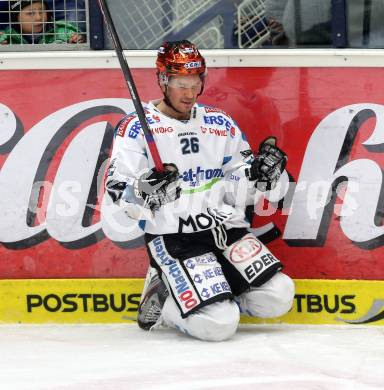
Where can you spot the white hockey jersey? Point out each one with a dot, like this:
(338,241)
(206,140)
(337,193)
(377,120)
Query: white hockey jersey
(207,152)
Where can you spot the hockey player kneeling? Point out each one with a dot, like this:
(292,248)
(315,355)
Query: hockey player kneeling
(205,267)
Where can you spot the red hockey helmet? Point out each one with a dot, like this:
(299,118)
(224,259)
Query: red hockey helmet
(179,58)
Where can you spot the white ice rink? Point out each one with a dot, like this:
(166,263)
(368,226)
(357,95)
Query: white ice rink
(114,357)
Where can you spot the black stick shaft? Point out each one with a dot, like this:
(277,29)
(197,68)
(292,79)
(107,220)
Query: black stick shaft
(131,85)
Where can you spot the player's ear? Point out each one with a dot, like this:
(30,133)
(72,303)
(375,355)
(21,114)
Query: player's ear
(162,80)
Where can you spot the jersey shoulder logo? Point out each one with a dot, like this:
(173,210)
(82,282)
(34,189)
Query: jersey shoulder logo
(131,125)
(123,124)
(209,109)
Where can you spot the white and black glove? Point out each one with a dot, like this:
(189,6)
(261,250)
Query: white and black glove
(266,168)
(158,188)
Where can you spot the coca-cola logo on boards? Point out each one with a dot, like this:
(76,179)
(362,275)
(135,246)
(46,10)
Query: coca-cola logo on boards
(73,193)
(75,187)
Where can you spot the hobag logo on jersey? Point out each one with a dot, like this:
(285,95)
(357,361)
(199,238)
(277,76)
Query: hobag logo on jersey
(161,130)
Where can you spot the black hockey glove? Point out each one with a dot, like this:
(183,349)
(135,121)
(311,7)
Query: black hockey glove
(267,166)
(158,188)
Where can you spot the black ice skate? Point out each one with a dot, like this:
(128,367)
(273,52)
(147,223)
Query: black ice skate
(152,300)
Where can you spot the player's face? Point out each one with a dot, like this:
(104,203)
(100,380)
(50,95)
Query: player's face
(183,91)
(32,18)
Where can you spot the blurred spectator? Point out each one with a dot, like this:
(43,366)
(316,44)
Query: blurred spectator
(274,12)
(365,23)
(299,22)
(32,22)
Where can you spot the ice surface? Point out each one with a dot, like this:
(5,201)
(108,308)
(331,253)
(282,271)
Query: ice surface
(115,357)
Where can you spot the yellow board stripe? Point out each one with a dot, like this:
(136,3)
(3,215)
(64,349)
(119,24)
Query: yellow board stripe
(39,301)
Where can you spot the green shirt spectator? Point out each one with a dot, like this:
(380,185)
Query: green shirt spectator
(31,22)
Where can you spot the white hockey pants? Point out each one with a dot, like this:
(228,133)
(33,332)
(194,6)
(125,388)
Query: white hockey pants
(218,321)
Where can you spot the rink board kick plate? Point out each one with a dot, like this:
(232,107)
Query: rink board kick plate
(60,301)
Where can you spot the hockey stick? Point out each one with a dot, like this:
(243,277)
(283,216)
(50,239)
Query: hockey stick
(131,85)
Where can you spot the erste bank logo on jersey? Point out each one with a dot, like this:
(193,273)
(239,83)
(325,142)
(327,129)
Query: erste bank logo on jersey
(135,127)
(219,120)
